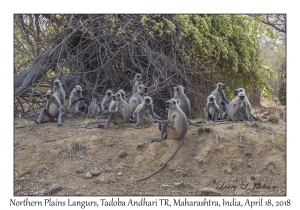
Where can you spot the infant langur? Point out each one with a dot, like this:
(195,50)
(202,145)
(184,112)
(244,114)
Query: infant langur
(212,109)
(52,110)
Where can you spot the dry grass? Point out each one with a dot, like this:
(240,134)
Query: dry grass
(274,118)
(76,147)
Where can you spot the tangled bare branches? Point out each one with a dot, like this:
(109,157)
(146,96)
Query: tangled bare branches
(99,54)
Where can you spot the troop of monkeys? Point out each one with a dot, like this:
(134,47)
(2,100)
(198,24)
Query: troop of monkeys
(118,111)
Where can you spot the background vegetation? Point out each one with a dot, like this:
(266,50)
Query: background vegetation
(106,51)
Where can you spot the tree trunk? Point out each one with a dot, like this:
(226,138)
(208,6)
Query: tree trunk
(41,65)
(256,96)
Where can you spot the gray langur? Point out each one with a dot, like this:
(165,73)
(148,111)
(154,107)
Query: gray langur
(120,115)
(52,109)
(112,105)
(93,108)
(212,109)
(220,97)
(76,100)
(183,102)
(105,103)
(122,92)
(144,109)
(136,82)
(59,91)
(236,110)
(247,103)
(175,127)
(137,98)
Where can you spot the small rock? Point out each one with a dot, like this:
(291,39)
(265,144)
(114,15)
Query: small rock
(110,178)
(54,188)
(101,179)
(120,173)
(107,169)
(111,144)
(252,177)
(106,178)
(140,146)
(36,193)
(43,191)
(178,184)
(210,190)
(122,154)
(199,159)
(95,172)
(78,193)
(249,165)
(88,175)
(221,147)
(230,127)
(248,123)
(79,170)
(227,170)
(22,178)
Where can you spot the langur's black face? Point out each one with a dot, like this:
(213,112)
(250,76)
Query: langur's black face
(48,96)
(56,83)
(167,105)
(146,90)
(235,92)
(138,76)
(224,87)
(147,101)
(114,98)
(123,96)
(108,94)
(78,91)
(242,98)
(211,99)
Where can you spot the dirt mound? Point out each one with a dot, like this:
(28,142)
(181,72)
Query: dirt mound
(233,159)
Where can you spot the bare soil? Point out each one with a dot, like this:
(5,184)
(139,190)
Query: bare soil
(233,159)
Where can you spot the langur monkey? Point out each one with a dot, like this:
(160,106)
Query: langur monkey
(220,97)
(236,110)
(93,108)
(137,98)
(183,102)
(105,103)
(120,115)
(76,100)
(175,126)
(52,110)
(212,109)
(59,91)
(112,105)
(247,103)
(144,109)
(136,82)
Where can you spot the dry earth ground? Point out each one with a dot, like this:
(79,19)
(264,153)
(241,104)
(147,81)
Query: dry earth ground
(232,159)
